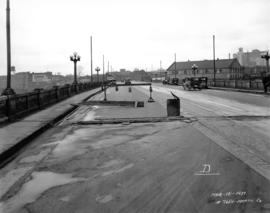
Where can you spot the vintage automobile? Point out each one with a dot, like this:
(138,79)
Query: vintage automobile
(172,81)
(195,83)
(204,81)
(127,81)
(165,81)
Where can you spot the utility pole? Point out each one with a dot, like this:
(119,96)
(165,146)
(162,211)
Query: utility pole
(91,52)
(214,60)
(8,90)
(174,65)
(103,69)
(160,70)
(103,83)
(108,71)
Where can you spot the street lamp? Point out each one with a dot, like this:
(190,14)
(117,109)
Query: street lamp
(75,58)
(8,90)
(194,68)
(97,70)
(266,57)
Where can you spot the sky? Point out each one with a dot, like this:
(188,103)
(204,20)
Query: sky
(129,33)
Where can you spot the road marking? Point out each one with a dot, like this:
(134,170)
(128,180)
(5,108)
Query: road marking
(206,170)
(240,152)
(207,174)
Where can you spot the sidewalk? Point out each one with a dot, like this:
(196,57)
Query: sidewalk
(15,135)
(240,90)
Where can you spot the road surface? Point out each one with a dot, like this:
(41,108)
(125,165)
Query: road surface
(215,159)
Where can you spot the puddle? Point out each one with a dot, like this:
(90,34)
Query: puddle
(30,191)
(111,163)
(78,142)
(112,141)
(73,144)
(115,171)
(65,199)
(35,158)
(104,199)
(11,178)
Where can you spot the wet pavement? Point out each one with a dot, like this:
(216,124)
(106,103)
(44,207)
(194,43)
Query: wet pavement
(173,166)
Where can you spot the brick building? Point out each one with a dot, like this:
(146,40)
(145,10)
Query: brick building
(225,69)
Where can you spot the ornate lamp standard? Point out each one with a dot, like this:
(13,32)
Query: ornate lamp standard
(97,70)
(8,90)
(194,68)
(75,58)
(266,57)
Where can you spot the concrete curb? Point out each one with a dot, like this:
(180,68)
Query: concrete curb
(136,120)
(13,151)
(238,90)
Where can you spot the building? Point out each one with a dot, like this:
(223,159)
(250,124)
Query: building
(42,77)
(137,75)
(225,69)
(158,75)
(250,59)
(21,82)
(256,72)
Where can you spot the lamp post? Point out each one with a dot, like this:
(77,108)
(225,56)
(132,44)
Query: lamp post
(214,59)
(266,57)
(91,58)
(75,58)
(97,70)
(194,68)
(8,90)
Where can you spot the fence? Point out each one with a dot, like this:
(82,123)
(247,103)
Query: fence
(239,84)
(17,105)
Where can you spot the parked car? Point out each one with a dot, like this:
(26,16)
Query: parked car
(165,81)
(204,82)
(175,81)
(127,81)
(192,83)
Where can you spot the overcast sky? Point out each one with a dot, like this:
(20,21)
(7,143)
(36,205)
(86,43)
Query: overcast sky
(130,33)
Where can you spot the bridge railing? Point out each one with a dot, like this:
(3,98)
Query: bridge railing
(21,104)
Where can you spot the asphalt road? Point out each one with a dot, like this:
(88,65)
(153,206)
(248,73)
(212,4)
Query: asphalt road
(245,98)
(216,160)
